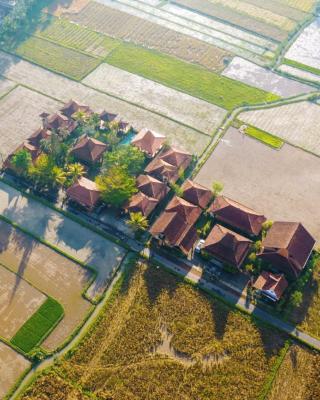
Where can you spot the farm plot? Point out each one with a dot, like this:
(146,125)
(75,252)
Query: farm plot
(158,98)
(282,8)
(63,89)
(12,366)
(253,75)
(306,50)
(75,36)
(299,73)
(163,339)
(19,300)
(51,273)
(57,58)
(298,376)
(147,34)
(283,184)
(304,5)
(19,116)
(296,123)
(5,86)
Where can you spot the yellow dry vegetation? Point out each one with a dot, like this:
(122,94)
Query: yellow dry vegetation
(298,376)
(304,5)
(258,13)
(120,358)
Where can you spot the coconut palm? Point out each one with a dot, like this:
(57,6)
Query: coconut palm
(138,222)
(81,117)
(75,171)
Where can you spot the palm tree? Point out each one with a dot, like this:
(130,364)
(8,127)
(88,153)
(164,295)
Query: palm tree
(138,222)
(59,176)
(75,171)
(81,117)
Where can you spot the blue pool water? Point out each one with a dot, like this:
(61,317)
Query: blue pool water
(127,139)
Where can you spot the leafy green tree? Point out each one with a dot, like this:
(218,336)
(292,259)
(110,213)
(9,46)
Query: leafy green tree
(21,161)
(138,222)
(296,298)
(217,188)
(129,158)
(116,186)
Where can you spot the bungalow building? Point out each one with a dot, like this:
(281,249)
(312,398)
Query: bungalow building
(287,247)
(124,127)
(236,215)
(178,158)
(226,246)
(148,142)
(141,203)
(88,150)
(37,136)
(152,187)
(58,123)
(72,107)
(84,192)
(196,194)
(30,148)
(271,285)
(175,226)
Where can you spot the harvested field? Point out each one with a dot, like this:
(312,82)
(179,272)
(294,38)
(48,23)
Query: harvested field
(298,376)
(147,34)
(12,366)
(63,89)
(213,351)
(296,123)
(253,75)
(299,73)
(75,36)
(51,273)
(196,81)
(19,300)
(304,5)
(234,18)
(280,8)
(53,57)
(19,116)
(5,86)
(283,184)
(158,98)
(306,49)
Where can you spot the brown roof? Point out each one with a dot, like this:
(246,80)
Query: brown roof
(88,149)
(39,135)
(107,117)
(237,215)
(57,121)
(274,284)
(287,246)
(196,194)
(148,141)
(189,212)
(162,170)
(178,158)
(227,246)
(72,107)
(141,203)
(152,187)
(124,126)
(84,192)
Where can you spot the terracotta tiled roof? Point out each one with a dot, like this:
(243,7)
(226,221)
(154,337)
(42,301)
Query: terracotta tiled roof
(141,203)
(57,122)
(124,126)
(271,283)
(88,149)
(39,135)
(148,141)
(107,117)
(178,158)
(287,246)
(196,194)
(189,212)
(237,215)
(84,192)
(72,107)
(162,170)
(227,246)
(152,187)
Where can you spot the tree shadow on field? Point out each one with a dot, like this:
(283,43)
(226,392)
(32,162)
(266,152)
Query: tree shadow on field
(272,339)
(220,314)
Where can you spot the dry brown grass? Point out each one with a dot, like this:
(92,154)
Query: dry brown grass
(117,359)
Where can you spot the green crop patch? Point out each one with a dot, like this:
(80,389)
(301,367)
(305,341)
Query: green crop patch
(78,37)
(38,327)
(56,58)
(302,66)
(264,137)
(188,78)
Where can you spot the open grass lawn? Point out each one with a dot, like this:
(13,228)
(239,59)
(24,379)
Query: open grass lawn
(57,58)
(264,137)
(188,78)
(160,338)
(38,327)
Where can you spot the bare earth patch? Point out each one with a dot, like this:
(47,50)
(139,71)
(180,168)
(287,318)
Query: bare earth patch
(12,366)
(64,89)
(296,123)
(283,184)
(19,300)
(19,116)
(176,105)
(67,7)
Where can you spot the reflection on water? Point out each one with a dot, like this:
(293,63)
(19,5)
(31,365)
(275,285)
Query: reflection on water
(205,362)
